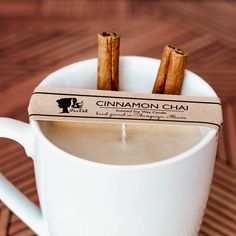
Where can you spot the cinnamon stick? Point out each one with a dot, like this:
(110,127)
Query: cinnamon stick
(163,69)
(171,71)
(108,61)
(175,75)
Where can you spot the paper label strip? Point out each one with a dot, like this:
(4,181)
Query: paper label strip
(72,104)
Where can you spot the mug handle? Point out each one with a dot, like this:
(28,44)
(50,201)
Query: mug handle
(22,133)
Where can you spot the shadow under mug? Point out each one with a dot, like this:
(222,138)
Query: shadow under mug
(84,198)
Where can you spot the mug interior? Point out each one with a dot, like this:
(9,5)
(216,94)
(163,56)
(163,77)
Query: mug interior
(136,74)
(132,74)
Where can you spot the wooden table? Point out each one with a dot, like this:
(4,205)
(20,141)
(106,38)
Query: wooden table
(38,37)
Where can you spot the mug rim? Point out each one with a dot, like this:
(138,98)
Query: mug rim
(211,133)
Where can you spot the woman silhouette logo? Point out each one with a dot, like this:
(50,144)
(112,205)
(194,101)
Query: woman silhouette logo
(65,103)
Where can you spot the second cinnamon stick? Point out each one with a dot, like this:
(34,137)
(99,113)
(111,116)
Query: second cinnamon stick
(163,69)
(175,75)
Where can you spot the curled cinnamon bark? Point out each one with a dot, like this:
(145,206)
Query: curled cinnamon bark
(171,71)
(108,61)
(175,73)
(163,69)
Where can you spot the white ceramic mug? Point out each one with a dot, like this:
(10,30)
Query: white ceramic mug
(84,198)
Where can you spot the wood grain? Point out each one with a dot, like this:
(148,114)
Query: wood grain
(40,36)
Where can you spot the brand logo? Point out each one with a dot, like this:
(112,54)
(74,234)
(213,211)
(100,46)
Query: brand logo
(70,105)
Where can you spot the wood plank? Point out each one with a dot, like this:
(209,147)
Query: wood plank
(4,221)
(60,32)
(19,8)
